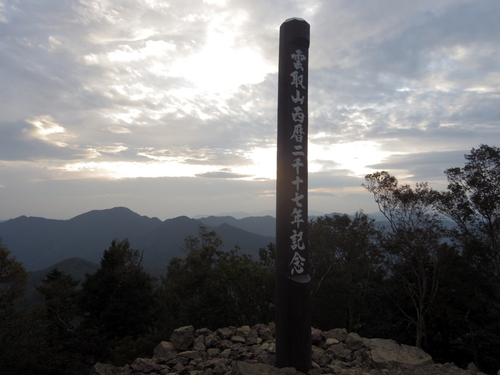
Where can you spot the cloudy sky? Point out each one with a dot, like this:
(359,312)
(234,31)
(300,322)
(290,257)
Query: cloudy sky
(169,107)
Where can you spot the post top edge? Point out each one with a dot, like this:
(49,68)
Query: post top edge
(294,19)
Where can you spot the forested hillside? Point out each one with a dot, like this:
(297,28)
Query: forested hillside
(415,281)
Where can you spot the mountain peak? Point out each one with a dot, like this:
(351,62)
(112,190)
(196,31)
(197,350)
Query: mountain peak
(107,212)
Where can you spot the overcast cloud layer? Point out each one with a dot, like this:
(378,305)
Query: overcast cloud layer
(169,107)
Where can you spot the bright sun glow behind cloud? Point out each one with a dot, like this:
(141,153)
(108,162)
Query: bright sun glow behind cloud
(208,70)
(223,64)
(353,156)
(117,170)
(220,67)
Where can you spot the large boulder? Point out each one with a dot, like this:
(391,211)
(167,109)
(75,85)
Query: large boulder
(388,354)
(182,338)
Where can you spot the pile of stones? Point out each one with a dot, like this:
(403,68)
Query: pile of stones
(252,351)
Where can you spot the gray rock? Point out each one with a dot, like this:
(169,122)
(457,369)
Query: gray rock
(145,366)
(272,348)
(471,367)
(238,339)
(289,371)
(198,339)
(212,341)
(200,347)
(200,366)
(243,331)
(125,370)
(336,353)
(225,344)
(164,349)
(183,337)
(226,332)
(337,333)
(343,355)
(330,342)
(353,341)
(316,336)
(102,369)
(178,367)
(182,360)
(320,357)
(266,359)
(190,354)
(213,352)
(388,354)
(243,368)
(266,334)
(202,332)
(252,340)
(221,369)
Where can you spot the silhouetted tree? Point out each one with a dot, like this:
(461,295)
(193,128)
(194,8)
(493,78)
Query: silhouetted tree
(118,299)
(21,332)
(59,293)
(212,288)
(62,319)
(13,279)
(472,201)
(415,246)
(346,271)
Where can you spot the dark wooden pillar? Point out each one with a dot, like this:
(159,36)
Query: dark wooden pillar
(293,312)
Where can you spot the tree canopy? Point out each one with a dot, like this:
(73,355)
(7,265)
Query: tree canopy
(118,298)
(415,247)
(13,279)
(212,288)
(473,201)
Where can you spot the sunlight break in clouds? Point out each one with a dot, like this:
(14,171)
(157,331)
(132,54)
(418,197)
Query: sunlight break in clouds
(207,71)
(223,65)
(47,130)
(352,156)
(220,67)
(261,166)
(119,170)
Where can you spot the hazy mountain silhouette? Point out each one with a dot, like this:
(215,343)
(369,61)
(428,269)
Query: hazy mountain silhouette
(265,226)
(242,215)
(40,243)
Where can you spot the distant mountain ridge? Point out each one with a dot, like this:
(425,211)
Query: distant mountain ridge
(265,226)
(40,243)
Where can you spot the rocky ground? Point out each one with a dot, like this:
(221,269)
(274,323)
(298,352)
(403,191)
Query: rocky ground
(252,351)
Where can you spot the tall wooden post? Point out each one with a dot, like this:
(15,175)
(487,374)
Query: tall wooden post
(293,312)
